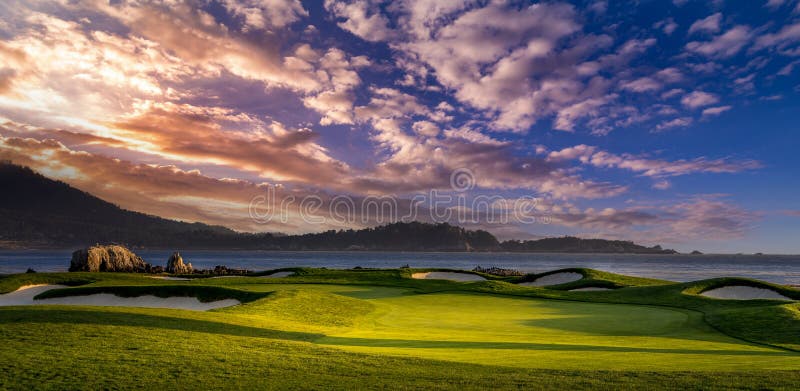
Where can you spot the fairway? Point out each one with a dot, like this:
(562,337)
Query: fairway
(376,328)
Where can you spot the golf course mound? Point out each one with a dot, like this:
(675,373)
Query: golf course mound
(279,274)
(32,295)
(556,278)
(452,276)
(171,278)
(590,289)
(743,292)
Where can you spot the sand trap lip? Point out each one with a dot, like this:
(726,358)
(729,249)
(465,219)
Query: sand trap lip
(24,296)
(590,289)
(447,276)
(278,275)
(172,278)
(554,279)
(743,292)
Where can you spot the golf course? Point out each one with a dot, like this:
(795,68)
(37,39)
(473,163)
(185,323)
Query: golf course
(304,328)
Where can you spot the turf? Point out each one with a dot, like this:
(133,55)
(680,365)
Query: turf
(382,329)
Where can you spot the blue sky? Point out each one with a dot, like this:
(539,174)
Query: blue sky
(671,122)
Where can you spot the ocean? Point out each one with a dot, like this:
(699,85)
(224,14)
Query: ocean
(781,269)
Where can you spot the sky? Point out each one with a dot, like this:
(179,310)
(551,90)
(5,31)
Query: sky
(663,122)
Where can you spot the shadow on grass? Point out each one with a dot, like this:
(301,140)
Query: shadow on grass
(106,318)
(422,344)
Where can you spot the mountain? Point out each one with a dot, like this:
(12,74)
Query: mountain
(38,212)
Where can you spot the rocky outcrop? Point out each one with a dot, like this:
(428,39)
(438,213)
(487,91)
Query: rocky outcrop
(110,258)
(175,265)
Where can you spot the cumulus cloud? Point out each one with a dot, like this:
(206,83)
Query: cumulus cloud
(263,14)
(707,25)
(787,35)
(681,122)
(711,111)
(643,84)
(362,18)
(668,26)
(724,45)
(697,99)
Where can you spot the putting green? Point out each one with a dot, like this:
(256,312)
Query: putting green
(521,332)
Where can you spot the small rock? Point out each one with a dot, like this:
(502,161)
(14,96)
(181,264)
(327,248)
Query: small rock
(175,265)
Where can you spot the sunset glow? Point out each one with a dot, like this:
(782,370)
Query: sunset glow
(660,122)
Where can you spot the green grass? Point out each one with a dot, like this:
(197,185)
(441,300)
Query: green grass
(360,329)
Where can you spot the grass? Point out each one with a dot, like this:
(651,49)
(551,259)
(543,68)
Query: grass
(355,329)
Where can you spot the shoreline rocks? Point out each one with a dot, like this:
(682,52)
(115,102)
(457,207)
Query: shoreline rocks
(109,258)
(175,265)
(117,258)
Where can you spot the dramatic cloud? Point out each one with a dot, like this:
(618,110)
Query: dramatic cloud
(132,100)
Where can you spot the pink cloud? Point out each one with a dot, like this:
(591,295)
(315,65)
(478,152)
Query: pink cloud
(651,167)
(697,99)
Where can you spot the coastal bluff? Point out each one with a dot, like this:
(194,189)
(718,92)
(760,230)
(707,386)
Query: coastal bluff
(107,258)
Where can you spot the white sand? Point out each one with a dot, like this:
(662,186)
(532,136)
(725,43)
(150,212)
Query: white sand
(172,278)
(447,276)
(25,295)
(590,289)
(278,275)
(743,292)
(554,279)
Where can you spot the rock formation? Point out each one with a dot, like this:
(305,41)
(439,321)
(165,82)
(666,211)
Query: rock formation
(175,265)
(110,258)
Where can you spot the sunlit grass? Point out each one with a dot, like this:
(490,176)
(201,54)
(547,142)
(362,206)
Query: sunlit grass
(381,329)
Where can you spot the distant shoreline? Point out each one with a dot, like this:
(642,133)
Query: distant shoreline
(70,249)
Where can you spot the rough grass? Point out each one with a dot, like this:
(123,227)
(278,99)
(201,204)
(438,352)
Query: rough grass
(87,354)
(360,329)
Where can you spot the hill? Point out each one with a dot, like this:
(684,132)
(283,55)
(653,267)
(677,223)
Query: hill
(38,212)
(571,244)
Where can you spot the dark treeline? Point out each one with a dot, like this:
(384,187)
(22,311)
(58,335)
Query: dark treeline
(37,212)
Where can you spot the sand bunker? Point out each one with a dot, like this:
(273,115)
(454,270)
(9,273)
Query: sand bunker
(278,275)
(590,289)
(447,276)
(554,279)
(25,295)
(172,278)
(743,292)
